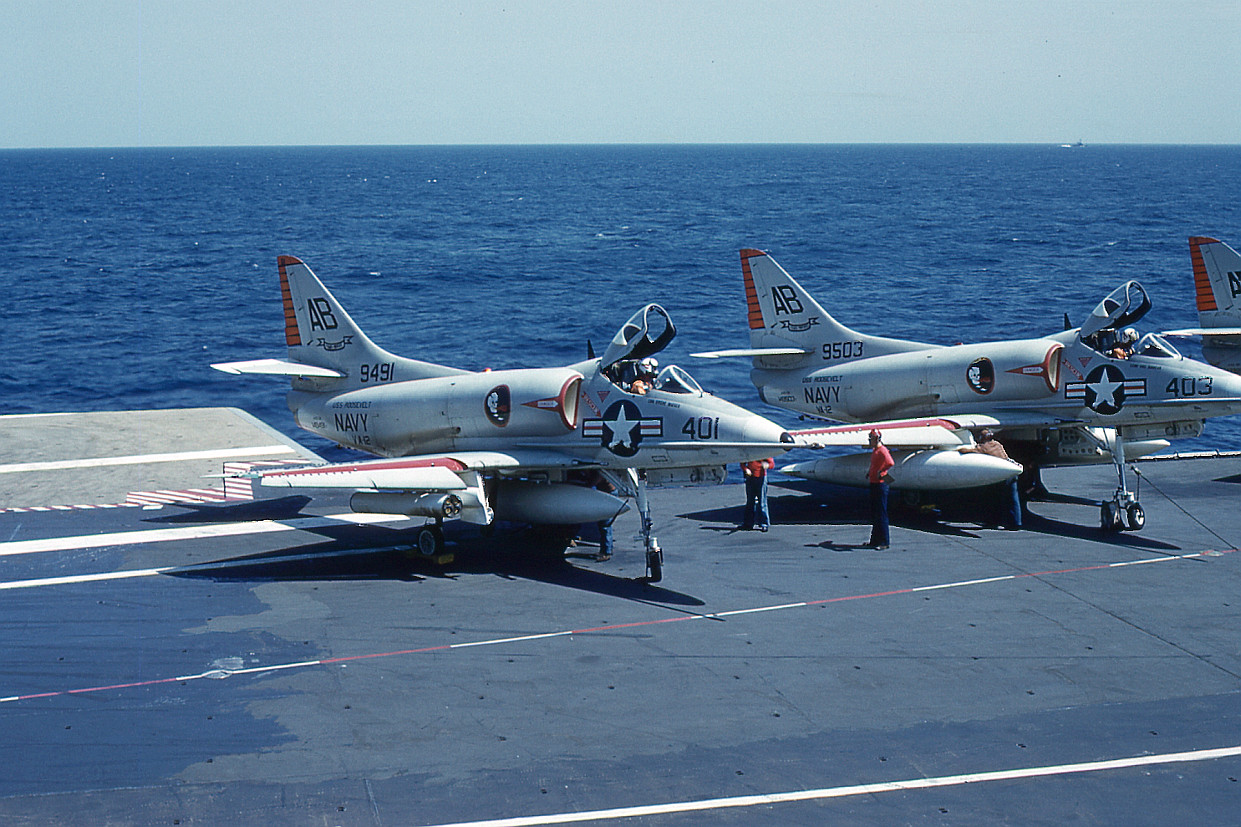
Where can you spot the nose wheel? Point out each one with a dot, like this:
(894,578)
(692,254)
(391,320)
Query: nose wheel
(1122,512)
(1119,515)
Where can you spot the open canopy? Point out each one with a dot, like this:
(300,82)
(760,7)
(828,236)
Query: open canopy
(646,333)
(1122,307)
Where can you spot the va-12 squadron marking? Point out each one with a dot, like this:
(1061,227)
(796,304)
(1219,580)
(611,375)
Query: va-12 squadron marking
(1096,393)
(500,445)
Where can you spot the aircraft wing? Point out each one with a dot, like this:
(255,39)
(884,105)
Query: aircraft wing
(938,432)
(899,433)
(416,473)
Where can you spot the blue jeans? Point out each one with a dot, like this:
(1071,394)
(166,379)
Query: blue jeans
(756,502)
(879,513)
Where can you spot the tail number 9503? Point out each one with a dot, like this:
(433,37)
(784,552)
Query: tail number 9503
(842,350)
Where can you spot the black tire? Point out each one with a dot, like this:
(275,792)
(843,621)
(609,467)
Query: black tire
(429,540)
(1135,517)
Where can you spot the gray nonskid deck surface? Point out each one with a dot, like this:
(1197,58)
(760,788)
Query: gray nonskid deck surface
(329,680)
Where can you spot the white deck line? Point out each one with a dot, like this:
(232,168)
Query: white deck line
(143,459)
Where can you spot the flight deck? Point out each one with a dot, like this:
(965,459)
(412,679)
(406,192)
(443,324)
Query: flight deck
(260,657)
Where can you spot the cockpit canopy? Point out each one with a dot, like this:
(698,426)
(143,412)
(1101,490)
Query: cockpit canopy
(628,357)
(1155,346)
(673,379)
(1107,328)
(647,332)
(1122,307)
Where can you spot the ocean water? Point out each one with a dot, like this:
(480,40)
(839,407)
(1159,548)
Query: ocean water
(125,273)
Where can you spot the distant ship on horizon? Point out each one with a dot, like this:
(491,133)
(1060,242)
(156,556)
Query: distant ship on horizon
(1075,145)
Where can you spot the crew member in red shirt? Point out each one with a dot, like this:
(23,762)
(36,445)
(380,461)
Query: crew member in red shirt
(880,463)
(755,473)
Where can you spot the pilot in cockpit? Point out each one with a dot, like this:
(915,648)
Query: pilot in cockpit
(1123,348)
(647,369)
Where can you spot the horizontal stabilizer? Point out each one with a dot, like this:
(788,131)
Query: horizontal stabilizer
(751,351)
(1204,331)
(276,367)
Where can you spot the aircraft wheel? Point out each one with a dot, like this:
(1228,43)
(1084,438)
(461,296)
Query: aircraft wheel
(1135,517)
(1107,517)
(429,540)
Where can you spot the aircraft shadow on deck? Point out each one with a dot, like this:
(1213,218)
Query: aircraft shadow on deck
(356,553)
(958,513)
(278,508)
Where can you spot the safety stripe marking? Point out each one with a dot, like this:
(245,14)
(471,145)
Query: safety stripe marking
(767,799)
(219,673)
(199,532)
(235,489)
(141,459)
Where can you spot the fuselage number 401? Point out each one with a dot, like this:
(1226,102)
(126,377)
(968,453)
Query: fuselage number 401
(704,427)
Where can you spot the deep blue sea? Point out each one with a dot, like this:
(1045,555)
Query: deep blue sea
(126,272)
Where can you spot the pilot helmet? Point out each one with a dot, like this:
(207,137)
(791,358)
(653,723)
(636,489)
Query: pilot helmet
(648,366)
(1128,336)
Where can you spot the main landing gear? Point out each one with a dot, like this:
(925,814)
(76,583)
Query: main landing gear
(1122,512)
(429,543)
(654,554)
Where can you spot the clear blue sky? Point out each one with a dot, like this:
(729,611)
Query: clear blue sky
(219,72)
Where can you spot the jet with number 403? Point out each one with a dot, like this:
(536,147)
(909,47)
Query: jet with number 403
(503,444)
(1096,393)
(1217,283)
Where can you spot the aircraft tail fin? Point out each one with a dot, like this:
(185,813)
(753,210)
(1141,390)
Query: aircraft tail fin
(319,332)
(1217,282)
(782,315)
(328,352)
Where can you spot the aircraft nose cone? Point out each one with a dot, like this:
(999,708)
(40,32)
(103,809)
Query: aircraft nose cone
(761,429)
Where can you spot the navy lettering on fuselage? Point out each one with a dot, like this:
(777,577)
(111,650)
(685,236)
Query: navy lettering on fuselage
(1234,284)
(321,316)
(351,422)
(786,301)
(822,394)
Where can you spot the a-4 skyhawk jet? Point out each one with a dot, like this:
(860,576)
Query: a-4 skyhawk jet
(1097,393)
(503,444)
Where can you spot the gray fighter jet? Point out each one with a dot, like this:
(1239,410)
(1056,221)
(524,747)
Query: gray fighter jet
(1096,393)
(504,444)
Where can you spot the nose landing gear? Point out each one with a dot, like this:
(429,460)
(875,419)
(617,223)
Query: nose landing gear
(1122,512)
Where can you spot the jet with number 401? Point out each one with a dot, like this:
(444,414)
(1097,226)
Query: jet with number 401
(503,444)
(1096,393)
